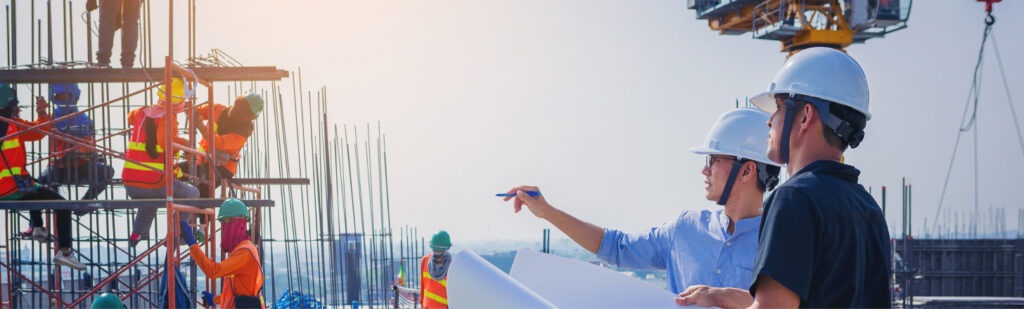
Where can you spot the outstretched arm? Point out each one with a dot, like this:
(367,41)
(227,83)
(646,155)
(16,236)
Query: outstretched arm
(586,234)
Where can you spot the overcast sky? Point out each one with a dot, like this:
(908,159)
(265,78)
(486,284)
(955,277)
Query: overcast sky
(597,102)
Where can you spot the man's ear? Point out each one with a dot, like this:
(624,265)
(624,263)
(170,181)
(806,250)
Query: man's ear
(749,170)
(809,114)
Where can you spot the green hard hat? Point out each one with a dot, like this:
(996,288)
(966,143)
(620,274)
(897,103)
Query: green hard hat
(440,241)
(232,208)
(107,301)
(255,103)
(7,95)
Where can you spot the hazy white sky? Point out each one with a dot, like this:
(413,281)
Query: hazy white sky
(597,102)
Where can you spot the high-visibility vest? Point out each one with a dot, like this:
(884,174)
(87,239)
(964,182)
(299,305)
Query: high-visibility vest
(234,141)
(254,270)
(14,152)
(138,175)
(433,293)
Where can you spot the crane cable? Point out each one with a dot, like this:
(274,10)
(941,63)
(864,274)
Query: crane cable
(966,124)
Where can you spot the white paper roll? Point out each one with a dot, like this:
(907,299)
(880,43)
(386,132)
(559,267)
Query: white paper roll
(570,283)
(475,283)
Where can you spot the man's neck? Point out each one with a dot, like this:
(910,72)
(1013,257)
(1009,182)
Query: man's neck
(800,157)
(743,205)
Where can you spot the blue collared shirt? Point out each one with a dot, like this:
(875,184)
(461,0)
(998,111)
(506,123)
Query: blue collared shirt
(696,248)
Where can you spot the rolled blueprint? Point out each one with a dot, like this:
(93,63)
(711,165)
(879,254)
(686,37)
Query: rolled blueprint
(570,283)
(475,283)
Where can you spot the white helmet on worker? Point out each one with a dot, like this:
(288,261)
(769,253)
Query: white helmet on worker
(742,133)
(820,72)
(821,76)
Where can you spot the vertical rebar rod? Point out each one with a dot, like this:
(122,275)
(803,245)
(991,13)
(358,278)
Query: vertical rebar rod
(14,33)
(304,200)
(64,28)
(283,159)
(88,36)
(374,273)
(49,33)
(387,201)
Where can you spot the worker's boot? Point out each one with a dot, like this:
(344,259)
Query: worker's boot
(64,258)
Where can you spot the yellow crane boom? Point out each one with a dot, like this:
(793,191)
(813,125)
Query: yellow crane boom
(799,24)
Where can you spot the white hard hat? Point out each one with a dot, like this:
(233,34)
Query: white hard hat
(742,133)
(820,72)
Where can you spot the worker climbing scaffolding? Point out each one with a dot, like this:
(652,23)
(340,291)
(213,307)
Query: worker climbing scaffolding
(146,145)
(241,270)
(231,128)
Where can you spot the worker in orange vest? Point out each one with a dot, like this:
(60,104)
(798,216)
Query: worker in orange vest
(146,145)
(17,184)
(232,127)
(434,268)
(241,270)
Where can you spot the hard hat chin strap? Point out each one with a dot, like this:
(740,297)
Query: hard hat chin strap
(736,165)
(787,128)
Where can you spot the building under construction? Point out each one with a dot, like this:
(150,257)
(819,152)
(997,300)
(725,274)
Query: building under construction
(318,191)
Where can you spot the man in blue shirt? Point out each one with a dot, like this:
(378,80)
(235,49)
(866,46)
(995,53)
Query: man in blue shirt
(824,241)
(714,248)
(74,164)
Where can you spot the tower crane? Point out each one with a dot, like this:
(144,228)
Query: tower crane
(799,24)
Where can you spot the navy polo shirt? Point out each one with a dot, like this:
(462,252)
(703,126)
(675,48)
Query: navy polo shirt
(825,238)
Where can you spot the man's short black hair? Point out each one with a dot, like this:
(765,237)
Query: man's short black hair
(856,119)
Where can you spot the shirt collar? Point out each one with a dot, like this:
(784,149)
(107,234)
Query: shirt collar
(748,224)
(742,226)
(840,170)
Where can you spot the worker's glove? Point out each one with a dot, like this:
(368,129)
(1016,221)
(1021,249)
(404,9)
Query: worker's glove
(186,232)
(207,300)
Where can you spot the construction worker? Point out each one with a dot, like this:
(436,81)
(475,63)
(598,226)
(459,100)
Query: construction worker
(108,301)
(73,164)
(232,127)
(824,241)
(17,184)
(242,270)
(146,145)
(116,14)
(434,268)
(704,247)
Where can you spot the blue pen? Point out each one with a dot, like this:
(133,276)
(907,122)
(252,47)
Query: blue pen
(530,193)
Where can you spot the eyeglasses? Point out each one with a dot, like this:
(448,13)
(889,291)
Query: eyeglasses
(710,161)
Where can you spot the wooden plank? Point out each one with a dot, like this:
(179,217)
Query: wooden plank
(121,204)
(270,181)
(99,75)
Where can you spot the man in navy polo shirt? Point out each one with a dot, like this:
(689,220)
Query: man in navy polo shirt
(824,241)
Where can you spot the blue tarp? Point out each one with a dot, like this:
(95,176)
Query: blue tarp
(182,297)
(294,299)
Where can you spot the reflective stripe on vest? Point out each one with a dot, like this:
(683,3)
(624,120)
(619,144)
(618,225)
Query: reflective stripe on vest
(14,152)
(11,144)
(139,174)
(153,165)
(11,172)
(428,294)
(435,292)
(141,146)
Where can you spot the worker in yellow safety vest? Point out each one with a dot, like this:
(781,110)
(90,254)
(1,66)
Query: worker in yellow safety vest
(146,146)
(434,268)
